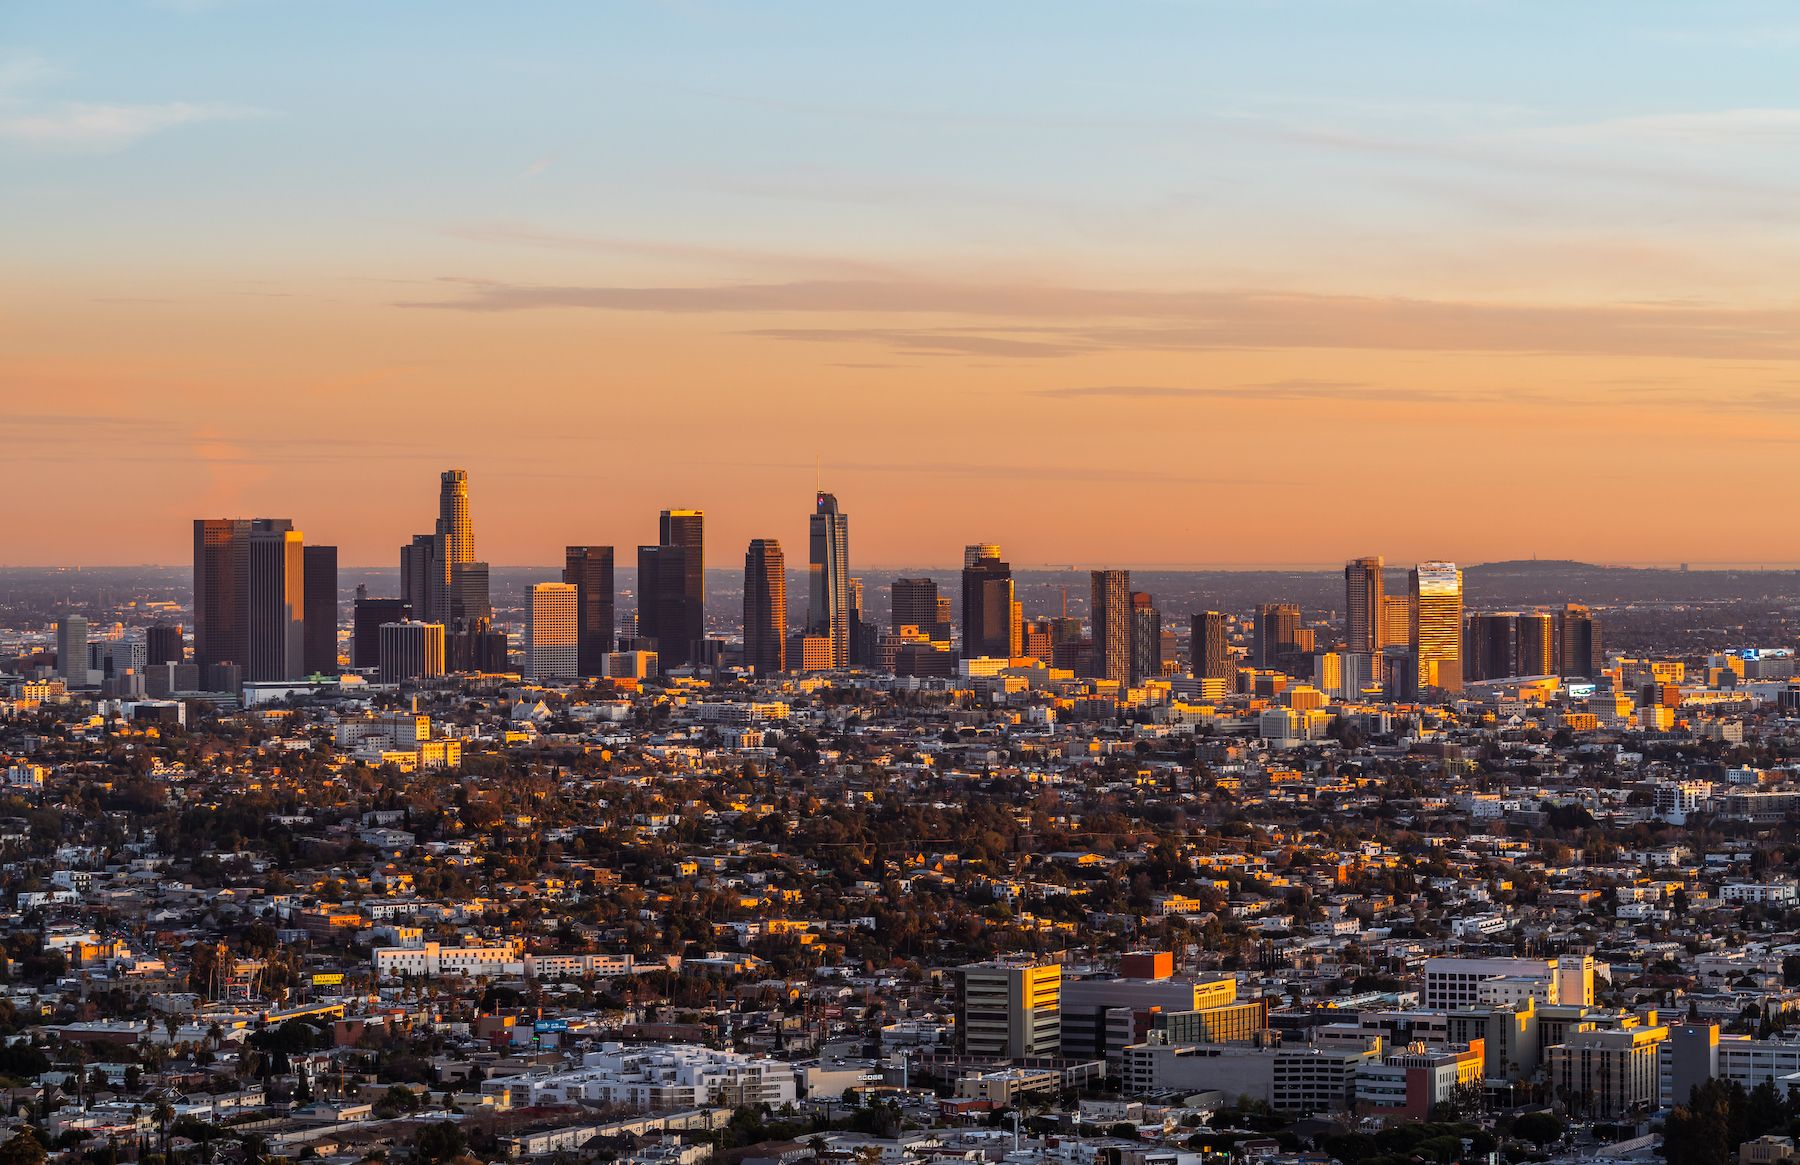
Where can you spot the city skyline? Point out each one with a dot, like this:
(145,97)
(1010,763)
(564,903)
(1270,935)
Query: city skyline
(308,293)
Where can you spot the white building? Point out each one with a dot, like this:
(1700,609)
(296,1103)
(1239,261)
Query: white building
(663,1076)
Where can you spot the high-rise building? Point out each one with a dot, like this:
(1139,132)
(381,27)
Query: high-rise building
(410,651)
(828,573)
(454,526)
(682,616)
(1536,651)
(913,602)
(765,607)
(1396,621)
(163,644)
(1277,635)
(1009,1010)
(1363,595)
(1146,638)
(72,650)
(1210,649)
(976,551)
(277,591)
(1109,614)
(589,569)
(1578,643)
(1436,624)
(552,635)
(470,603)
(366,620)
(221,591)
(663,608)
(423,577)
(987,604)
(319,655)
(439,574)
(1491,646)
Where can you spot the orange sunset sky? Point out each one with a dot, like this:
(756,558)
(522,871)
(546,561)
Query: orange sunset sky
(1147,283)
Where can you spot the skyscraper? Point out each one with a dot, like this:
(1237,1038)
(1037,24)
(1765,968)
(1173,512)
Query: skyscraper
(411,650)
(72,650)
(162,644)
(987,604)
(454,526)
(1109,613)
(221,595)
(439,574)
(662,613)
(1277,635)
(277,590)
(1396,621)
(976,551)
(422,577)
(366,621)
(913,602)
(1436,624)
(1578,643)
(1210,649)
(589,569)
(319,656)
(680,639)
(765,607)
(1536,651)
(1363,595)
(1491,646)
(552,638)
(1146,638)
(828,572)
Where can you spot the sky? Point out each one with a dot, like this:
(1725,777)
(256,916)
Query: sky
(1142,282)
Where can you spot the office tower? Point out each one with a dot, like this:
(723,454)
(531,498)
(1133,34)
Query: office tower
(589,569)
(1536,651)
(1009,1010)
(162,644)
(765,607)
(1436,624)
(828,573)
(411,650)
(319,653)
(1328,672)
(1363,595)
(469,600)
(1209,648)
(72,650)
(946,616)
(1109,613)
(913,602)
(976,551)
(221,597)
(476,648)
(1491,646)
(552,635)
(1277,634)
(277,590)
(454,527)
(366,619)
(1396,622)
(987,604)
(1037,640)
(1146,638)
(662,614)
(682,605)
(422,576)
(1578,643)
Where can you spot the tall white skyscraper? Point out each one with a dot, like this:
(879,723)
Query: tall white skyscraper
(828,604)
(552,632)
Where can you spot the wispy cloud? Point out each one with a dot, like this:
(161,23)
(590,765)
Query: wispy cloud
(79,124)
(1719,126)
(1271,390)
(1036,320)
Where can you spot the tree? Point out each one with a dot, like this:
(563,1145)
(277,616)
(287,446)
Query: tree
(1699,1132)
(22,1148)
(439,1142)
(1540,1128)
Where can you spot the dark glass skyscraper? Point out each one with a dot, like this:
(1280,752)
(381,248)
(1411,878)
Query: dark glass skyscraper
(277,590)
(1363,596)
(1210,651)
(1578,651)
(162,644)
(828,573)
(365,627)
(987,607)
(1277,633)
(765,607)
(682,612)
(320,653)
(590,570)
(663,604)
(1146,637)
(913,602)
(221,595)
